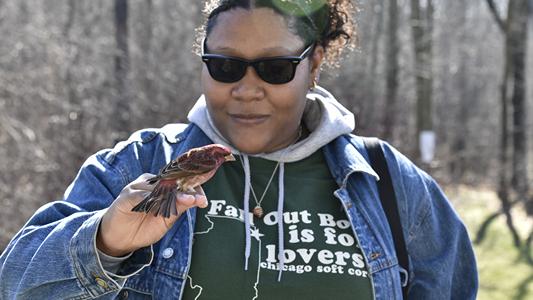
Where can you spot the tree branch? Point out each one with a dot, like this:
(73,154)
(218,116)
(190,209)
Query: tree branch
(482,232)
(497,17)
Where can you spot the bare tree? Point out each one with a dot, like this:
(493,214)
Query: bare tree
(393,49)
(373,61)
(122,66)
(517,45)
(146,41)
(513,91)
(459,145)
(422,28)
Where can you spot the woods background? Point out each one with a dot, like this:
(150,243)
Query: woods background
(77,76)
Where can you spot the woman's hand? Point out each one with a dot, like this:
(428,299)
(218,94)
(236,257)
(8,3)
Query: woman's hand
(123,231)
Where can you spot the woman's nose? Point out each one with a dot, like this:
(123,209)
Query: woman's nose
(250,87)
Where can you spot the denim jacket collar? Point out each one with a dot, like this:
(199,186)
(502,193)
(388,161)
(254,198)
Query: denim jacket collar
(344,159)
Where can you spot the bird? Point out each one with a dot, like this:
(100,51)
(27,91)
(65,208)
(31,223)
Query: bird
(184,174)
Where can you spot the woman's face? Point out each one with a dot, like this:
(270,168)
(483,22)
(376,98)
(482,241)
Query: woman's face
(253,115)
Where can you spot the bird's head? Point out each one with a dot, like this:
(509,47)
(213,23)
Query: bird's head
(219,152)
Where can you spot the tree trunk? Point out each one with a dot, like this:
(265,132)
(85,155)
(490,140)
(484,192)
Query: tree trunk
(75,107)
(376,34)
(122,65)
(517,45)
(146,48)
(507,85)
(422,27)
(392,71)
(373,63)
(459,148)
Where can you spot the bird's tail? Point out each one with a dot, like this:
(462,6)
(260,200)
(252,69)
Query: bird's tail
(161,201)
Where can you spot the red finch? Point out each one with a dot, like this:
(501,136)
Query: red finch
(186,172)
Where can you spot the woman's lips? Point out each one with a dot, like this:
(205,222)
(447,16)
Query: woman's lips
(249,119)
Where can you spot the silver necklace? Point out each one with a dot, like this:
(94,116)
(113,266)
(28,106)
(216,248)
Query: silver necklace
(258,210)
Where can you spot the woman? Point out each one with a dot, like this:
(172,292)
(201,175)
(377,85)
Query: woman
(314,227)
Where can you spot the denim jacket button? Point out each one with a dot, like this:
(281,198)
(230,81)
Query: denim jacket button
(101,282)
(124,295)
(168,252)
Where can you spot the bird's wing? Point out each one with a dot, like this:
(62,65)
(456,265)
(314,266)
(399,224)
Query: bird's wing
(204,165)
(178,169)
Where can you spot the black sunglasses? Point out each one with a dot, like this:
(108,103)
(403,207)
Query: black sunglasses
(274,70)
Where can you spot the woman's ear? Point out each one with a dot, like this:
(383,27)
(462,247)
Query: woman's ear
(315,63)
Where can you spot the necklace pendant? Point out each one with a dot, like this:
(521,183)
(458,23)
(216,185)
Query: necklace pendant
(258,211)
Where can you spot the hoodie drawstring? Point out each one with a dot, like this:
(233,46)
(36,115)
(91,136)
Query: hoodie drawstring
(281,199)
(247,185)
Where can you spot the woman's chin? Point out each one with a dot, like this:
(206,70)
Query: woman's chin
(251,144)
(251,149)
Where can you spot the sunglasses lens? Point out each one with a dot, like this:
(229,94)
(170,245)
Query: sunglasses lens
(276,71)
(226,70)
(273,71)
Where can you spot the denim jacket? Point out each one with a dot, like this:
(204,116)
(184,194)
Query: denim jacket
(54,255)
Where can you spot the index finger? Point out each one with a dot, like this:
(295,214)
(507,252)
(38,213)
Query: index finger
(141,183)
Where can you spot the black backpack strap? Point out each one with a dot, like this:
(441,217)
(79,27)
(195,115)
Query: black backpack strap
(389,204)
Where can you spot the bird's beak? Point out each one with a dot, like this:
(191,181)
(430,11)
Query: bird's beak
(229,157)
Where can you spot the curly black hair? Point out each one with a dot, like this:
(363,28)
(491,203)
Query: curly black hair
(330,23)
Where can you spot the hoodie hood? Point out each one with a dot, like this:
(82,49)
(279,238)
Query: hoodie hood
(324,117)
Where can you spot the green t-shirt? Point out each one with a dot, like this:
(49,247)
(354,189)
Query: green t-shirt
(322,257)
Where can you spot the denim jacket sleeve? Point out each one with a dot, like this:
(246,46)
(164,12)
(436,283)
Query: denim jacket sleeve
(54,255)
(442,262)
